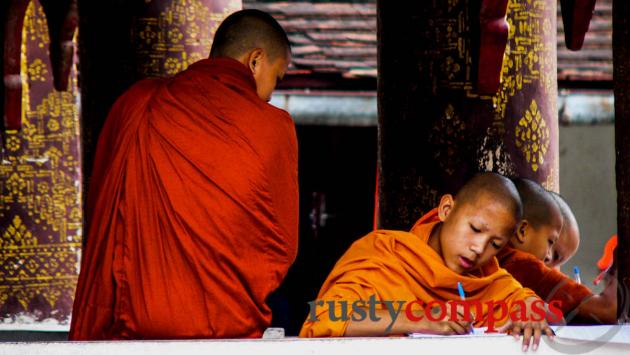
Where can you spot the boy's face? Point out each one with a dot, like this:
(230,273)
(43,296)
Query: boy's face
(566,246)
(472,232)
(268,72)
(539,241)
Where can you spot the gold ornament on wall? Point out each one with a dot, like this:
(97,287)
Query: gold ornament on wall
(40,209)
(181,34)
(532,136)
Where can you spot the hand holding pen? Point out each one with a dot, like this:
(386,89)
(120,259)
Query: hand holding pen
(462,295)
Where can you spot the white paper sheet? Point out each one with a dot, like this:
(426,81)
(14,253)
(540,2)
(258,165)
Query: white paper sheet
(478,332)
(619,334)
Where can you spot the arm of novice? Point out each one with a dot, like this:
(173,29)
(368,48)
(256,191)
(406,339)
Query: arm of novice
(600,308)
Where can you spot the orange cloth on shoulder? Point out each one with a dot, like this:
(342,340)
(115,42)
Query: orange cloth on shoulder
(401,266)
(192,210)
(548,283)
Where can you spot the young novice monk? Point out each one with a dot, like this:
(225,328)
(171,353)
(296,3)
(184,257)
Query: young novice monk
(532,246)
(569,240)
(456,242)
(542,221)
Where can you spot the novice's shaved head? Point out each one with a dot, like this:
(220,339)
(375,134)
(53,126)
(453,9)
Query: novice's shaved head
(542,220)
(497,186)
(569,240)
(245,30)
(539,207)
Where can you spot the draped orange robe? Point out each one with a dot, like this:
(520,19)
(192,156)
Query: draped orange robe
(549,284)
(192,210)
(401,266)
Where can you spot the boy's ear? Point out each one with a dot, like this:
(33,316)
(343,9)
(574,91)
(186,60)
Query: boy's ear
(521,231)
(447,203)
(254,58)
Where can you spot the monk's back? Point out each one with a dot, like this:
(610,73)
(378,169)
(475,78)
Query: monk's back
(190,231)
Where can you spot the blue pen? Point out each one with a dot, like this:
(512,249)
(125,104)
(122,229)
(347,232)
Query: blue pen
(576,274)
(462,295)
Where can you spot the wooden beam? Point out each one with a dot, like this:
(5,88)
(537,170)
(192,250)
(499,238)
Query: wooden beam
(621,75)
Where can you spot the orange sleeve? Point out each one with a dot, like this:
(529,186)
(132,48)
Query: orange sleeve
(546,282)
(351,286)
(323,325)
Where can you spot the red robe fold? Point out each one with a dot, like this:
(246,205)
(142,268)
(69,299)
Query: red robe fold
(549,284)
(192,210)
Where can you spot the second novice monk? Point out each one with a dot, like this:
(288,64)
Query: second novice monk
(456,242)
(532,246)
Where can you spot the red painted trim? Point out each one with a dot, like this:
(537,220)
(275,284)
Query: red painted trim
(63,19)
(492,43)
(12,67)
(576,17)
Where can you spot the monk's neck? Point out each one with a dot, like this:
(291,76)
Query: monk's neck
(434,239)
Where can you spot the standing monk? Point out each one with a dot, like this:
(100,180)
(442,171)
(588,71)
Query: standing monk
(192,210)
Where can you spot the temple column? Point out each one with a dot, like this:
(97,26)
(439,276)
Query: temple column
(40,194)
(449,106)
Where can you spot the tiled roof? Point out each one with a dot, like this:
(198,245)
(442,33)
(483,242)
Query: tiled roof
(339,39)
(327,38)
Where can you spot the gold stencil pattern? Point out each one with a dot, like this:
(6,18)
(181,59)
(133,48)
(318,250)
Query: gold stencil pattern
(448,133)
(36,28)
(452,38)
(528,70)
(532,136)
(528,58)
(179,36)
(40,210)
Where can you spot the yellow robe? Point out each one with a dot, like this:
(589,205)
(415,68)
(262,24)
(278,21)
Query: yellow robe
(401,266)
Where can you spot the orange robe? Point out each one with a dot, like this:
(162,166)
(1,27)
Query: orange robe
(401,266)
(548,283)
(192,210)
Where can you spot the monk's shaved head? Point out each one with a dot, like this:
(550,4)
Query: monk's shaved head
(567,213)
(542,220)
(539,206)
(496,186)
(569,240)
(245,30)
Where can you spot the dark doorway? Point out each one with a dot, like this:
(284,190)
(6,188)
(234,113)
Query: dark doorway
(337,174)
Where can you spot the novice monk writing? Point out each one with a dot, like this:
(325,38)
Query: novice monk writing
(456,242)
(531,247)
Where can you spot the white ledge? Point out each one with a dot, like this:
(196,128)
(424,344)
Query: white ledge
(327,346)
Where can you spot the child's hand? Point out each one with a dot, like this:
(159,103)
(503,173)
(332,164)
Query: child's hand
(531,327)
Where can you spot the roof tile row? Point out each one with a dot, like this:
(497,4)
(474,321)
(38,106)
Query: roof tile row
(340,38)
